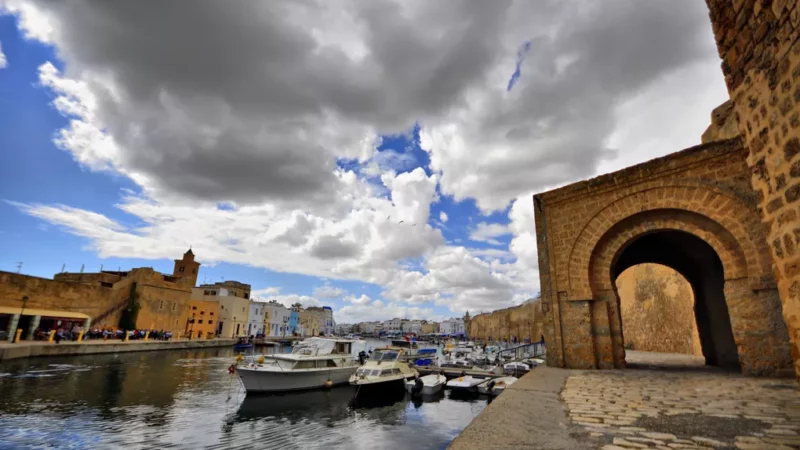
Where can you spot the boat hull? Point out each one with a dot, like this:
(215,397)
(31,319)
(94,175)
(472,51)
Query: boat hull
(262,381)
(379,388)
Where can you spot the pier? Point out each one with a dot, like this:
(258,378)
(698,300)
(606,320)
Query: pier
(35,349)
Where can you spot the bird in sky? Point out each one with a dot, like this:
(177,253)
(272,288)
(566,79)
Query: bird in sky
(400,222)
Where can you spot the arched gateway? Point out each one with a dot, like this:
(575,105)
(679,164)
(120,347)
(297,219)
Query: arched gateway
(693,211)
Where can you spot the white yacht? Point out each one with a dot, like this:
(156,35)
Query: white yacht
(387,369)
(313,363)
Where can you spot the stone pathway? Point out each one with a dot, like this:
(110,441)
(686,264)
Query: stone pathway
(683,409)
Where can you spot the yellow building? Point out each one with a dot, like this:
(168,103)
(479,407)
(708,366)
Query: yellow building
(202,318)
(137,299)
(309,321)
(234,306)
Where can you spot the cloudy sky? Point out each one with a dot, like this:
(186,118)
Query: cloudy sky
(376,156)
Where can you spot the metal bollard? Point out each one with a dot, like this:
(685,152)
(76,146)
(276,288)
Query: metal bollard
(147,335)
(80,336)
(51,336)
(17,335)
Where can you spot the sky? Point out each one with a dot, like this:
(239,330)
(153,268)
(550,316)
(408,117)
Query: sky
(378,157)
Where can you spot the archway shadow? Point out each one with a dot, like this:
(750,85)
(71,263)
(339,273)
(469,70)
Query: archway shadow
(700,265)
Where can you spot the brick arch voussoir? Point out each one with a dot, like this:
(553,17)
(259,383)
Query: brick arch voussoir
(612,244)
(724,208)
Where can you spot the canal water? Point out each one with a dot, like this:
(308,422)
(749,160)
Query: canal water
(186,399)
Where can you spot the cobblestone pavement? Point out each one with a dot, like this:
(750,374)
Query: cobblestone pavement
(663,409)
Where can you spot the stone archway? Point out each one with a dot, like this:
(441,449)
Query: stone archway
(692,211)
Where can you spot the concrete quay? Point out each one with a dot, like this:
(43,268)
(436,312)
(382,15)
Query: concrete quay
(39,349)
(661,404)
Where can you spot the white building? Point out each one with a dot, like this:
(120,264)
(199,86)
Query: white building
(394,325)
(255,319)
(452,326)
(343,329)
(412,326)
(329,325)
(370,327)
(276,319)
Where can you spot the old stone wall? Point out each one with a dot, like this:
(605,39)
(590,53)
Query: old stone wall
(758,43)
(525,321)
(657,306)
(583,228)
(54,295)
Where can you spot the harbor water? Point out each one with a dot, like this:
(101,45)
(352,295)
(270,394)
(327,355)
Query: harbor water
(187,399)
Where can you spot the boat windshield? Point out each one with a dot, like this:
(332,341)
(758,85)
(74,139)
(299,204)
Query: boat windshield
(385,355)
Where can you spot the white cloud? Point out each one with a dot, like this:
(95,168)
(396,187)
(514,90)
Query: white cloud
(3,60)
(488,232)
(265,293)
(260,128)
(291,299)
(378,310)
(327,291)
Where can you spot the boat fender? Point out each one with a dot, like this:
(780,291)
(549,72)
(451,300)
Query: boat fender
(328,384)
(231,369)
(261,359)
(239,357)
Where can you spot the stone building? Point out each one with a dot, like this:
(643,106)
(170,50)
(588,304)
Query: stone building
(151,299)
(723,214)
(693,211)
(202,318)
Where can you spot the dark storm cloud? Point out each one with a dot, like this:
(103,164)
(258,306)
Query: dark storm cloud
(236,100)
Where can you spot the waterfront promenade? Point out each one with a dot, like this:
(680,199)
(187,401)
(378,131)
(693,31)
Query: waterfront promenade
(32,349)
(662,402)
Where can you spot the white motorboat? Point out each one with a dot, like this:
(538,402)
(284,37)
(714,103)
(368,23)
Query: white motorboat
(516,367)
(387,369)
(466,383)
(313,363)
(496,386)
(431,384)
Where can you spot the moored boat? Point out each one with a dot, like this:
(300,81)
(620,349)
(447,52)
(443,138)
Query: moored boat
(386,370)
(427,385)
(496,386)
(314,363)
(465,383)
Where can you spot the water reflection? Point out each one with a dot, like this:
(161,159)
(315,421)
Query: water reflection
(186,399)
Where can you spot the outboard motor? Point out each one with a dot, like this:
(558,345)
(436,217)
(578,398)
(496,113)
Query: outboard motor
(362,357)
(418,385)
(490,386)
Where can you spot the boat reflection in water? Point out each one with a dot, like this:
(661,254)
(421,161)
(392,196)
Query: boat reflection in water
(317,405)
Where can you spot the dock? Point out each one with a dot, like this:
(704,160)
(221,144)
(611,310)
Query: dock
(33,349)
(454,372)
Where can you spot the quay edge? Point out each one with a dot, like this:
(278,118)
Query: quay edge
(34,350)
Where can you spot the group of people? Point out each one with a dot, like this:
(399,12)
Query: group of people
(66,334)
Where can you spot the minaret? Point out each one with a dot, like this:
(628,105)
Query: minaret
(187,267)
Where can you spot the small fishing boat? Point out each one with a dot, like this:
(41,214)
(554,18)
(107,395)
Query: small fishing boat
(496,386)
(516,368)
(466,383)
(242,344)
(427,385)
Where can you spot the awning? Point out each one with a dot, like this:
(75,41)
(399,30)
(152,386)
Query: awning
(43,312)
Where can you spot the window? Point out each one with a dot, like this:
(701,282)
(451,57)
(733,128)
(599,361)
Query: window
(242,309)
(211,322)
(174,305)
(181,269)
(161,305)
(194,308)
(211,313)
(200,321)
(202,312)
(246,295)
